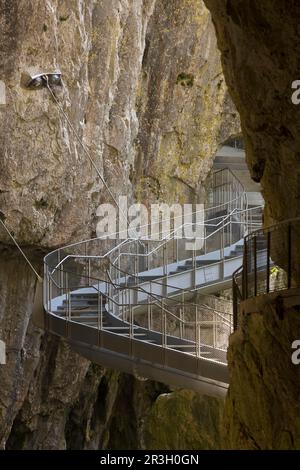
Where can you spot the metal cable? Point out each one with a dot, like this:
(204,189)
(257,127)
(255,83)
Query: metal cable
(87,153)
(21,251)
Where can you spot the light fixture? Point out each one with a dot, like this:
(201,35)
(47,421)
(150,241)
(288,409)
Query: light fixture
(40,80)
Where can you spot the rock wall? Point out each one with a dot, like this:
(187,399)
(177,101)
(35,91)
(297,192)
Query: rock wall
(144,89)
(259,47)
(260,61)
(196,424)
(262,407)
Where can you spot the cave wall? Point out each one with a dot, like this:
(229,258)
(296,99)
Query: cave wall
(259,43)
(262,407)
(142,83)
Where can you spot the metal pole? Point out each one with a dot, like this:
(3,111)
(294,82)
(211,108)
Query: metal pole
(196,334)
(162,325)
(199,334)
(194,269)
(214,330)
(119,265)
(131,333)
(89,270)
(180,324)
(165,330)
(245,271)
(255,265)
(148,313)
(164,260)
(49,294)
(268,260)
(235,304)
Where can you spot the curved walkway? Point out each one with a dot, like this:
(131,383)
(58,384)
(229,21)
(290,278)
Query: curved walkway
(131,308)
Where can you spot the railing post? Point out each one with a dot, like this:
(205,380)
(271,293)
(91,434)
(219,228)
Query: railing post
(100,309)
(255,264)
(174,249)
(182,301)
(289,255)
(196,332)
(135,268)
(49,294)
(194,270)
(147,256)
(136,296)
(222,252)
(61,273)
(149,313)
(68,313)
(245,271)
(214,331)
(164,260)
(235,304)
(163,325)
(131,330)
(89,271)
(86,260)
(199,334)
(165,329)
(119,265)
(180,324)
(268,260)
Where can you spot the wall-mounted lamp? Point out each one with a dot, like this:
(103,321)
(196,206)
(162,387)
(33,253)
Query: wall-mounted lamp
(40,80)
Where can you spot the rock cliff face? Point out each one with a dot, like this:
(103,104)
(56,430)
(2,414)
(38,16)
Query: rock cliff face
(260,60)
(262,407)
(144,89)
(259,47)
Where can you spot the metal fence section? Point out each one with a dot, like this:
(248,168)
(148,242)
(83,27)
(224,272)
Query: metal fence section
(270,263)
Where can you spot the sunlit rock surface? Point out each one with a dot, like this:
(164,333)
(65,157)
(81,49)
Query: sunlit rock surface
(143,87)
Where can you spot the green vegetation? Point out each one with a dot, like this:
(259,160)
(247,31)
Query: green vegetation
(185,79)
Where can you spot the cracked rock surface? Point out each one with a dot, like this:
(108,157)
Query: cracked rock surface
(143,87)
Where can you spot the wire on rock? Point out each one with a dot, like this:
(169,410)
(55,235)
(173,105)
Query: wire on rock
(87,153)
(20,250)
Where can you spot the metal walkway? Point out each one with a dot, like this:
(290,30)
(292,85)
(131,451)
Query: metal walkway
(129,305)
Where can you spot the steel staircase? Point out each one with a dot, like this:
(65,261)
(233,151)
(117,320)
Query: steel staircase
(129,305)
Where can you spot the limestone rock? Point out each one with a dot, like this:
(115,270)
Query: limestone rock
(144,90)
(184,420)
(259,43)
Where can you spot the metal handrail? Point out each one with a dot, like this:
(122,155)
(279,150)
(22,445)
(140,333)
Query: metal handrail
(241,196)
(134,240)
(277,244)
(133,305)
(157,300)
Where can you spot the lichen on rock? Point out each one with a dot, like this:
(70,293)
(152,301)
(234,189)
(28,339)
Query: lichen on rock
(150,137)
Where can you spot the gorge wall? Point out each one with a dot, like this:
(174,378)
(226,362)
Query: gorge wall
(144,88)
(259,43)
